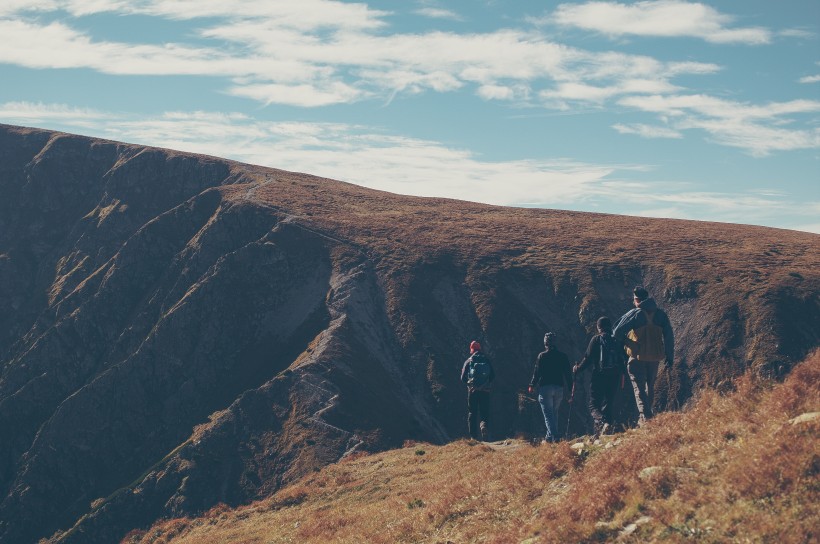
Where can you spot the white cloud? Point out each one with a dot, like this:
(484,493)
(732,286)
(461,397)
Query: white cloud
(647,131)
(662,18)
(496,92)
(286,56)
(305,95)
(797,33)
(303,15)
(755,128)
(438,13)
(810,79)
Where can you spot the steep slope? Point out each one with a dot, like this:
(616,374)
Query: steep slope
(180,330)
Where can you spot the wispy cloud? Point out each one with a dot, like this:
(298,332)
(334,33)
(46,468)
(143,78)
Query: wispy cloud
(439,13)
(661,18)
(810,79)
(759,129)
(282,52)
(647,131)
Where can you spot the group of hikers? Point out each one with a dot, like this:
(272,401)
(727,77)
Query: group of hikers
(637,344)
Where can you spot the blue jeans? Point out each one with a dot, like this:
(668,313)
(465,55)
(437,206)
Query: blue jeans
(549,397)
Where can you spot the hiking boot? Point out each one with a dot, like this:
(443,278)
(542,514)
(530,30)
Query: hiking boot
(484,434)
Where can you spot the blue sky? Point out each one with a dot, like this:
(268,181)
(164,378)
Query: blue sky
(666,108)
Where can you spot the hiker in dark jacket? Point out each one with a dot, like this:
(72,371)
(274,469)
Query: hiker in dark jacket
(551,373)
(647,335)
(605,357)
(478,374)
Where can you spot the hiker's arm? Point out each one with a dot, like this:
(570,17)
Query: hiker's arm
(626,324)
(492,372)
(591,348)
(464,371)
(534,378)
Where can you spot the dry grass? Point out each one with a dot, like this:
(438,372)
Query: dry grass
(731,468)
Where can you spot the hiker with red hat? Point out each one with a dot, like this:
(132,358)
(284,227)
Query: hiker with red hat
(478,374)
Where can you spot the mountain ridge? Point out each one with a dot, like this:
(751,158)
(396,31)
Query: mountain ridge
(151,296)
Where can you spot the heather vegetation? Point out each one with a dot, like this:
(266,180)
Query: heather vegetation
(739,466)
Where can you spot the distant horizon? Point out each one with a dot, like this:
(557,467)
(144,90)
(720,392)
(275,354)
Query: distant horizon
(673,109)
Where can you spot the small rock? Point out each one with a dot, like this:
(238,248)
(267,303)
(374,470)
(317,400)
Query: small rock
(578,447)
(632,527)
(805,418)
(648,472)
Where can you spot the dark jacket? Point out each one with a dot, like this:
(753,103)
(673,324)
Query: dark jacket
(636,318)
(592,357)
(551,368)
(465,370)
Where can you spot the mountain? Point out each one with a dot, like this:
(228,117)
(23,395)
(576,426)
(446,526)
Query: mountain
(178,331)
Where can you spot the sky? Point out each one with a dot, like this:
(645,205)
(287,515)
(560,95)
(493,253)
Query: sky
(667,108)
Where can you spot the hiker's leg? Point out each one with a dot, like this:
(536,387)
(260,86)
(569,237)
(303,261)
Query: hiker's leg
(651,375)
(596,403)
(472,414)
(610,390)
(586,380)
(557,396)
(484,414)
(637,375)
(545,399)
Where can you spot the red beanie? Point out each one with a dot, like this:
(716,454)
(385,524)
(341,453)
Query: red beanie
(474,346)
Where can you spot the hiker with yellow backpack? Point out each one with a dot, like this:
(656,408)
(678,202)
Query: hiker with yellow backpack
(647,335)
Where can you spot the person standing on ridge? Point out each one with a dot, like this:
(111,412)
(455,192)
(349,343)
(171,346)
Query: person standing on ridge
(647,334)
(478,374)
(605,356)
(552,371)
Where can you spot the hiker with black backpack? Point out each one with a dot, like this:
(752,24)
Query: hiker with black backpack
(551,374)
(647,334)
(605,357)
(478,374)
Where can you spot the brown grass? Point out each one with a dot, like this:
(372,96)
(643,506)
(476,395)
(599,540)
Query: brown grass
(730,469)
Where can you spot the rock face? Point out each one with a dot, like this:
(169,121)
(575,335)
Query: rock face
(178,330)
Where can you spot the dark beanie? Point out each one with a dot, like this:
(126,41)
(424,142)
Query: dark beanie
(640,293)
(604,324)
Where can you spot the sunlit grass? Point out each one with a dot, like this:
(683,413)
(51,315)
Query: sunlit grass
(730,468)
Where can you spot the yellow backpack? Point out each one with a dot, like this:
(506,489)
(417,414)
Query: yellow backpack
(647,341)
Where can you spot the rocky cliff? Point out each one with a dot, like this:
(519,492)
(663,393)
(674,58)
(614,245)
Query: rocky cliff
(179,330)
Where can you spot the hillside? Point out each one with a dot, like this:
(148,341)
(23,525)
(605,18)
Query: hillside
(179,331)
(738,468)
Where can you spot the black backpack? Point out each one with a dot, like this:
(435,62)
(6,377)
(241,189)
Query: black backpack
(478,372)
(612,355)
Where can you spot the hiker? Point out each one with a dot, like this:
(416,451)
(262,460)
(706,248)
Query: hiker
(647,334)
(605,357)
(552,371)
(478,374)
